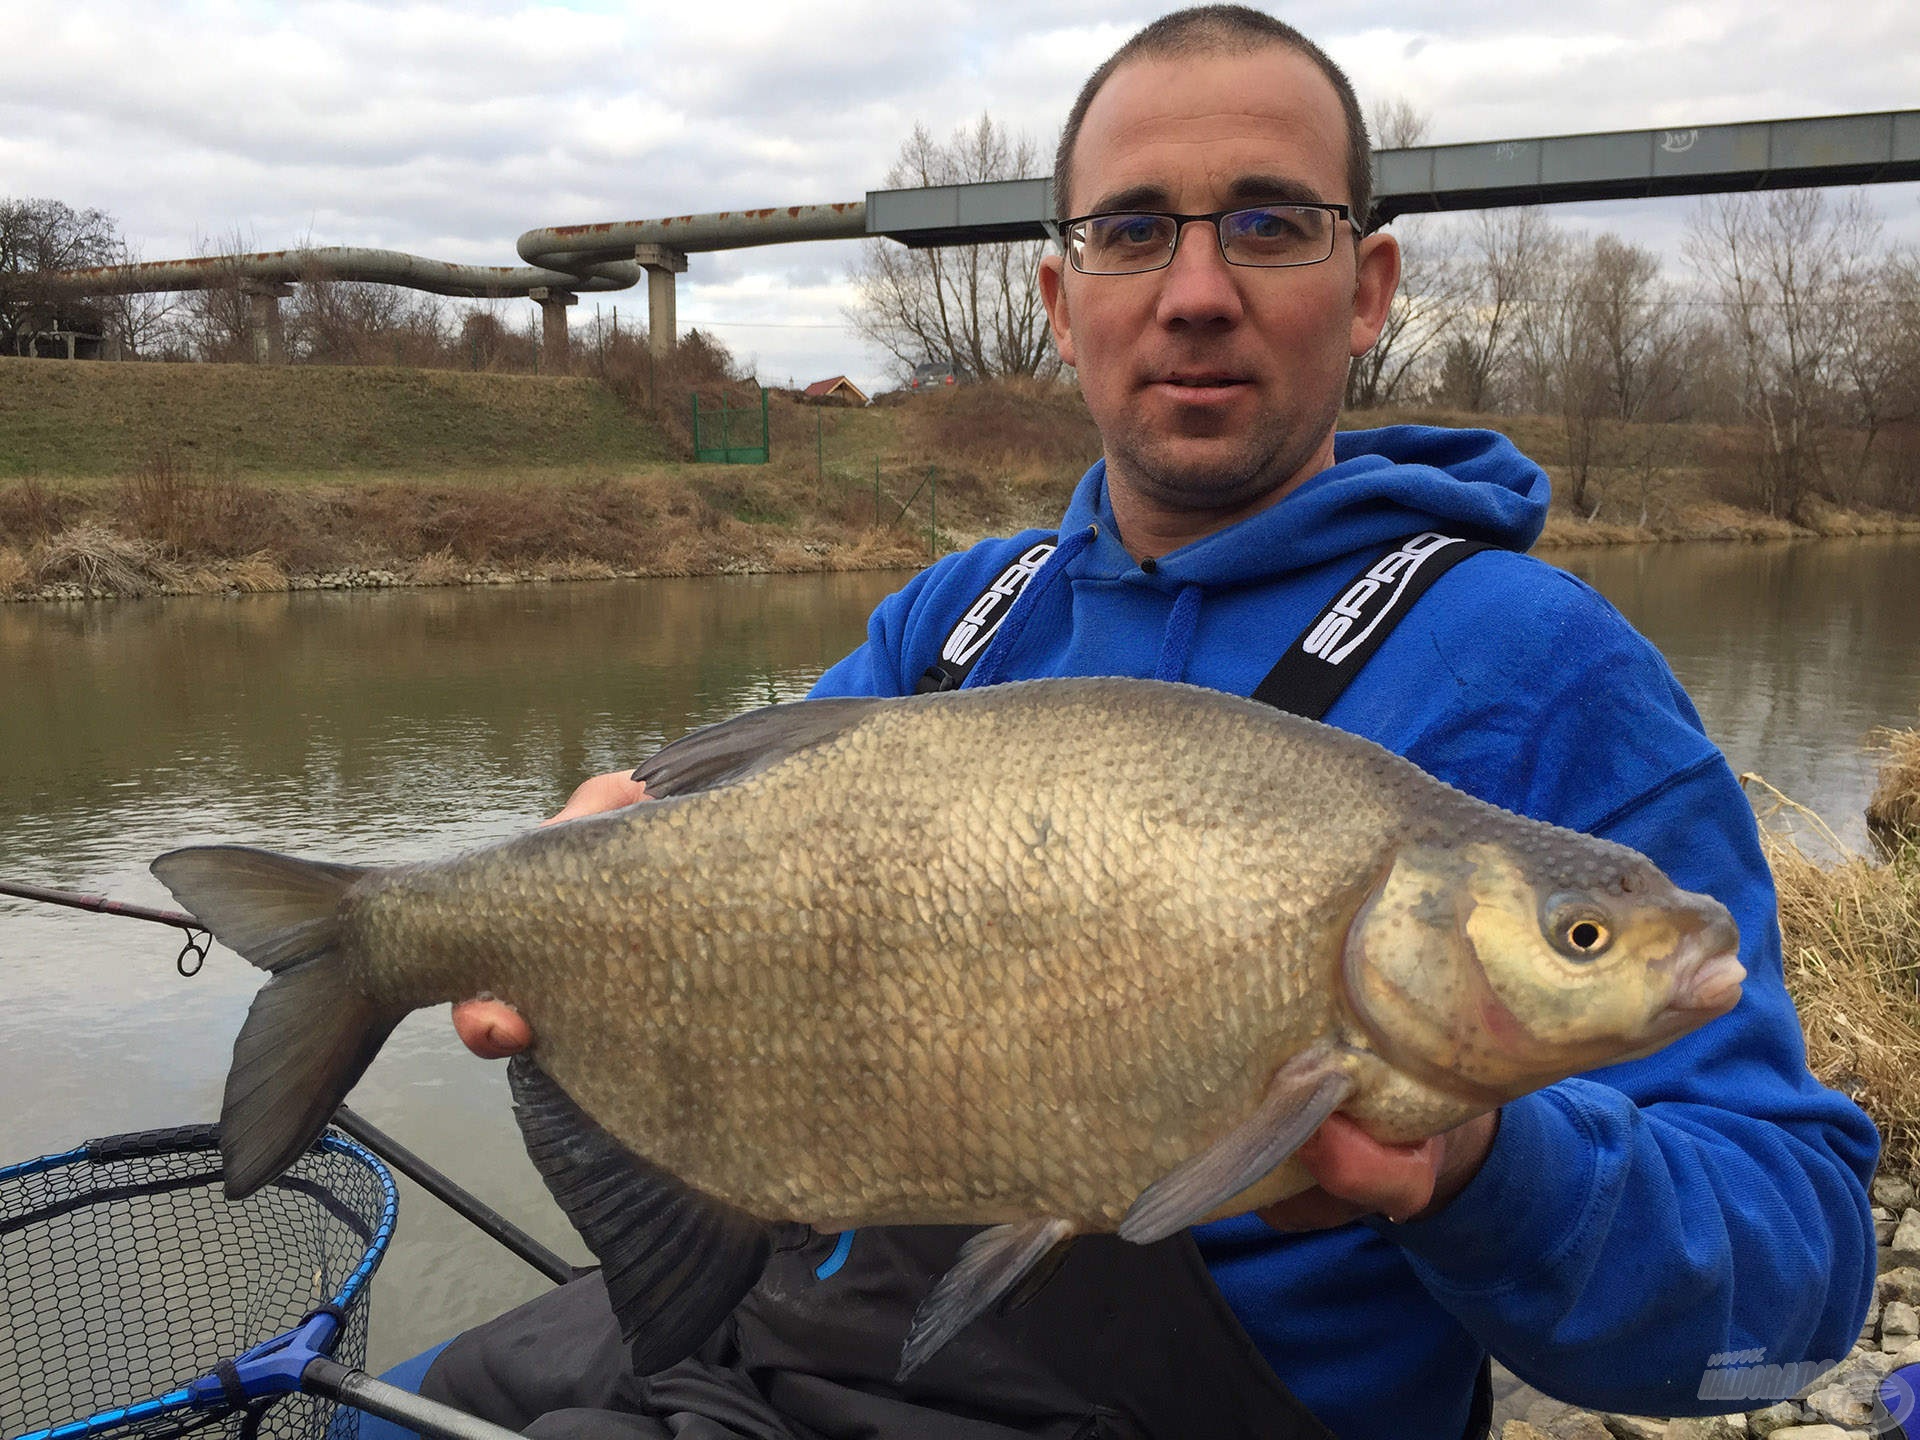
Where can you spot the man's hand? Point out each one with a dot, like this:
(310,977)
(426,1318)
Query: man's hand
(603,792)
(1358,1175)
(489,1028)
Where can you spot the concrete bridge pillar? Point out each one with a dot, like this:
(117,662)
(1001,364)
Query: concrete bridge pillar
(554,349)
(268,332)
(662,263)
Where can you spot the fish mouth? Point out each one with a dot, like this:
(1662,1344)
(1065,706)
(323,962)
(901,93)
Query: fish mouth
(1707,973)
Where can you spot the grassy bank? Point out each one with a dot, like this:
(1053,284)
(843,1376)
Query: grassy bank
(143,479)
(79,422)
(1851,933)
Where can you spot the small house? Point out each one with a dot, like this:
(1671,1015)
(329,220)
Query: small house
(837,391)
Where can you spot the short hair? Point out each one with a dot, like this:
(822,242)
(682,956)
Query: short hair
(1223,30)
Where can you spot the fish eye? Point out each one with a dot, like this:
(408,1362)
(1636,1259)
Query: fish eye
(1587,936)
(1578,930)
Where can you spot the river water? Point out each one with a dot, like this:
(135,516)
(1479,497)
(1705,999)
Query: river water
(371,726)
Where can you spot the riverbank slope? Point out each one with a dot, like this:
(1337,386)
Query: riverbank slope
(145,479)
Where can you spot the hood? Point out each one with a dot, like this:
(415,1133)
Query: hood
(1384,485)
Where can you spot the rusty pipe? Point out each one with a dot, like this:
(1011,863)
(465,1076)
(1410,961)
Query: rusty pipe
(571,246)
(341,262)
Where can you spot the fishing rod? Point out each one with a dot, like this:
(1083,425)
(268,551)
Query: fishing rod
(193,953)
(464,1203)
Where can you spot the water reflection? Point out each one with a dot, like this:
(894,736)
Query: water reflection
(1792,652)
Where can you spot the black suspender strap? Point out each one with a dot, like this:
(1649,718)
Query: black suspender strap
(1319,665)
(1313,671)
(968,639)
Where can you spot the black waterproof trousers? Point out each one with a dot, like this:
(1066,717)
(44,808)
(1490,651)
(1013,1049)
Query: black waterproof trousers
(1124,1342)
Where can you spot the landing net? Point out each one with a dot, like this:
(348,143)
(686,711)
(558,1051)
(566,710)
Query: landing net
(125,1274)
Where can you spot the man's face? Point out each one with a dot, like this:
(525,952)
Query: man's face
(1215,386)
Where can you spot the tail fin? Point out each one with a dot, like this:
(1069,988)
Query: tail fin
(310,1035)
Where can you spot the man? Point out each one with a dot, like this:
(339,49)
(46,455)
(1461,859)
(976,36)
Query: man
(1602,1237)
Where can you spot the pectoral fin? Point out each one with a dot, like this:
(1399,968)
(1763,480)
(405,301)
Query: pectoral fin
(989,1265)
(1302,1095)
(676,1260)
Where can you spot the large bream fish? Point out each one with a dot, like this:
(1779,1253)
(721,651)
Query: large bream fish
(1052,957)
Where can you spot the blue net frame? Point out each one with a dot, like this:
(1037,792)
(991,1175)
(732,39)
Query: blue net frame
(129,1285)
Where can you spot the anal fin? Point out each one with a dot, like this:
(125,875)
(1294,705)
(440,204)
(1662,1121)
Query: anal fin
(1302,1094)
(990,1265)
(676,1260)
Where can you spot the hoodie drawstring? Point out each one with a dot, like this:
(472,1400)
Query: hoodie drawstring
(1176,643)
(988,670)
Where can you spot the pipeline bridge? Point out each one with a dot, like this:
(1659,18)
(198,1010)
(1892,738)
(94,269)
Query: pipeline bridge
(563,262)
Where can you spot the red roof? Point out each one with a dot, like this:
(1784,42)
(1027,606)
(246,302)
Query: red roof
(819,389)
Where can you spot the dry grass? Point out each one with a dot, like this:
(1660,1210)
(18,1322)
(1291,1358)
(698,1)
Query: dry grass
(103,563)
(16,575)
(1851,947)
(1893,814)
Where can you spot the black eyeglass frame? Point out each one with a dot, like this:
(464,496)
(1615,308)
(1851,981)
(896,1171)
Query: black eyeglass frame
(1057,230)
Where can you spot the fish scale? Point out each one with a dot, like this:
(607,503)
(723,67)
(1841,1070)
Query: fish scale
(982,1018)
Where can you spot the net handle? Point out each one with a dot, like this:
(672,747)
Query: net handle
(334,1381)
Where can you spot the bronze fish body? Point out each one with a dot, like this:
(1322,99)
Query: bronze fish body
(1054,957)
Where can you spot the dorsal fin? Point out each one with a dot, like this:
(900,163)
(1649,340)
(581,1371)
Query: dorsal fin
(734,749)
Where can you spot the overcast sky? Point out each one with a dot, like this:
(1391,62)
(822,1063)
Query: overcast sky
(447,129)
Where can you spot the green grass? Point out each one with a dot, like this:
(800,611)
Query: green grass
(81,421)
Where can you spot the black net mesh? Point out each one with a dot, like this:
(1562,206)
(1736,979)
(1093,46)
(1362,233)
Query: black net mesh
(125,1277)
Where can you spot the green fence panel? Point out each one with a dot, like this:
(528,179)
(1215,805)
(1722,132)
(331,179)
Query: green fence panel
(730,435)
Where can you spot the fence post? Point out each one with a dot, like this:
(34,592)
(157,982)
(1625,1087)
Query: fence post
(876,492)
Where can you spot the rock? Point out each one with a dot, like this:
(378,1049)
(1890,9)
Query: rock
(1908,1356)
(1774,1417)
(1845,1395)
(1899,1326)
(1543,1410)
(1635,1427)
(1898,1283)
(1521,1430)
(1579,1425)
(1708,1427)
(1892,1193)
(1870,1326)
(1905,1244)
(1883,1228)
(1813,1432)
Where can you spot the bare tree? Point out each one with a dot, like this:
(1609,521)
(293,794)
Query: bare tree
(976,305)
(1397,123)
(36,237)
(1596,340)
(138,327)
(1784,266)
(216,321)
(346,322)
(1435,290)
(1879,350)
(1638,324)
(1900,466)
(1509,252)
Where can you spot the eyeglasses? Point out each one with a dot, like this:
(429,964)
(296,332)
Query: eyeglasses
(1132,242)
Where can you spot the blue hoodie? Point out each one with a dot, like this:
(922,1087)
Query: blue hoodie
(1628,1224)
